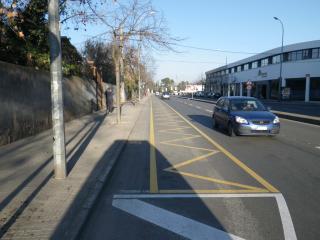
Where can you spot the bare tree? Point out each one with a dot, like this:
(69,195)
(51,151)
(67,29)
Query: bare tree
(131,22)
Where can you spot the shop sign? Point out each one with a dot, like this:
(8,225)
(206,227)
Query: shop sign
(262,74)
(249,85)
(286,93)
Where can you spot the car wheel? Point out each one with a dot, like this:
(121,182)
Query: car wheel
(230,130)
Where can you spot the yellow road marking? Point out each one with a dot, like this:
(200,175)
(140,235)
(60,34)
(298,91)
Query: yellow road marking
(164,115)
(230,155)
(172,124)
(175,167)
(173,129)
(215,180)
(185,146)
(201,191)
(181,139)
(190,161)
(153,163)
(179,133)
(169,122)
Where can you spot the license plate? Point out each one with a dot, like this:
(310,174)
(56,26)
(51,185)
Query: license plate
(262,128)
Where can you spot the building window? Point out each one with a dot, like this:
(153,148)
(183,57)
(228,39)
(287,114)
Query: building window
(232,70)
(306,54)
(246,66)
(239,69)
(276,59)
(292,56)
(254,64)
(299,55)
(316,53)
(264,62)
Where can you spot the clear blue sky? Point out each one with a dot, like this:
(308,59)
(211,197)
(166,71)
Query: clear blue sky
(235,25)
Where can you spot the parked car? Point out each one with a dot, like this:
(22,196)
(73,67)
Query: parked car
(206,94)
(244,116)
(210,95)
(165,95)
(157,93)
(216,95)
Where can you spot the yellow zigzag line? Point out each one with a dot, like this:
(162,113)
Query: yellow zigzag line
(174,169)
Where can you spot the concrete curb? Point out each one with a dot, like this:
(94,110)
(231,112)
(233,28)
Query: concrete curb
(298,117)
(93,195)
(105,174)
(286,115)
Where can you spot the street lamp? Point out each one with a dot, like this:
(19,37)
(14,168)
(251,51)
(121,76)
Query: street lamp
(281,58)
(150,13)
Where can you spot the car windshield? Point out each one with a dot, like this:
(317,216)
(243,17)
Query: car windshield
(246,105)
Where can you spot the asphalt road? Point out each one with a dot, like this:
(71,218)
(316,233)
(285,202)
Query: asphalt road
(179,179)
(295,107)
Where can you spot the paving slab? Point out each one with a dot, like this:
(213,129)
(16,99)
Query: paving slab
(35,205)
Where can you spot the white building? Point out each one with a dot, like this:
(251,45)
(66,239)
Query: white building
(192,88)
(300,74)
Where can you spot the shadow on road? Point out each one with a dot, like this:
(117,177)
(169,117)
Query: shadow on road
(206,121)
(133,166)
(73,155)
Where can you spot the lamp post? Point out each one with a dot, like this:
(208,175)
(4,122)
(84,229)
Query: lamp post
(281,59)
(139,58)
(59,149)
(139,73)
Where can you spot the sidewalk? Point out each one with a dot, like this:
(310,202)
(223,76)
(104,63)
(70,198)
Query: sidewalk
(299,111)
(33,205)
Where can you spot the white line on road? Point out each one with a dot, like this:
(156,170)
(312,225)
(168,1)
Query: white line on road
(317,147)
(173,222)
(198,107)
(207,110)
(194,195)
(287,224)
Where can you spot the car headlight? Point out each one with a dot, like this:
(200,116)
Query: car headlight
(276,120)
(241,120)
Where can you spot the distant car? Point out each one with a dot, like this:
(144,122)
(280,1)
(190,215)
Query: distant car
(216,95)
(165,95)
(157,93)
(210,95)
(244,116)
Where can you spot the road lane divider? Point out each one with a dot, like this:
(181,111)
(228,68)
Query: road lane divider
(181,139)
(248,170)
(173,129)
(153,163)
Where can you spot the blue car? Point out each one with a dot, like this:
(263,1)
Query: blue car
(244,116)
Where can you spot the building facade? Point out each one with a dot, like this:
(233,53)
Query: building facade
(259,75)
(192,88)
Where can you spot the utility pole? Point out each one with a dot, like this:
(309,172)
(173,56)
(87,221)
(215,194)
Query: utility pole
(227,77)
(59,150)
(116,55)
(121,44)
(139,73)
(281,59)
